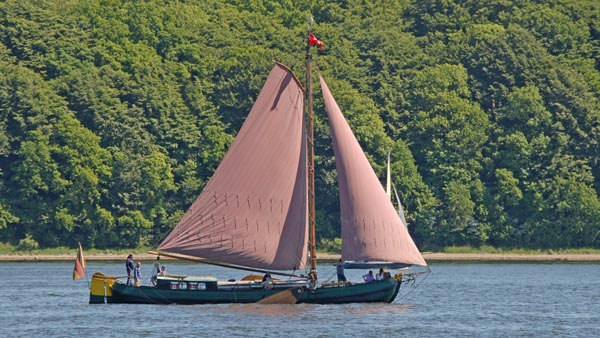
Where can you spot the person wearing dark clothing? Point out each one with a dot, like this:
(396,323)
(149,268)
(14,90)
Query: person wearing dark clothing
(267,281)
(129,265)
(267,277)
(340,271)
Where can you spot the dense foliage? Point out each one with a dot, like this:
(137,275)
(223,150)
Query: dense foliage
(114,113)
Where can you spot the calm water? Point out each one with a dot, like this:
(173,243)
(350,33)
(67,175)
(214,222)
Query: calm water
(455,300)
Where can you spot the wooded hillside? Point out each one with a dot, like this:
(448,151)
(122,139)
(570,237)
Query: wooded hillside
(115,113)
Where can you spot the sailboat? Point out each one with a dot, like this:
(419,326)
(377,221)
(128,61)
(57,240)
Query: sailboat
(257,213)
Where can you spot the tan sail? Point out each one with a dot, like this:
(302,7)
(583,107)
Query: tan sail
(371,227)
(253,211)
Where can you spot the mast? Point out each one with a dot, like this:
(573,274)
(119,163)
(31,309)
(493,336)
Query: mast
(312,238)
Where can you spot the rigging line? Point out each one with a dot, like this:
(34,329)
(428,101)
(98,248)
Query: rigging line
(316,66)
(157,241)
(428,272)
(331,274)
(152,301)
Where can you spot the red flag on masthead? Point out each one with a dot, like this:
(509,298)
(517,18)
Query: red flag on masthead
(313,41)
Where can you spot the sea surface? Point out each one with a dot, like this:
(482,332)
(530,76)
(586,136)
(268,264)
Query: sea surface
(40,299)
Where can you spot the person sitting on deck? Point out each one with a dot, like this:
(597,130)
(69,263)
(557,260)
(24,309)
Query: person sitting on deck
(381,274)
(163,271)
(267,281)
(312,280)
(368,278)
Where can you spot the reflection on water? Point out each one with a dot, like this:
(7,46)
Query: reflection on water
(375,308)
(468,300)
(269,310)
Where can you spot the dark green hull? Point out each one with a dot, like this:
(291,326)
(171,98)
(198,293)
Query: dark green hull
(377,292)
(382,291)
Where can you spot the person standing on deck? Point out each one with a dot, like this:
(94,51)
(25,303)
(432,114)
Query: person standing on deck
(155,271)
(340,271)
(137,274)
(129,266)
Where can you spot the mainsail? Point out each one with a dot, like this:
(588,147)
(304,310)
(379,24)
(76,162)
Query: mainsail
(253,211)
(371,227)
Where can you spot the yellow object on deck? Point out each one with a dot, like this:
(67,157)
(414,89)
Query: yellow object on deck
(102,285)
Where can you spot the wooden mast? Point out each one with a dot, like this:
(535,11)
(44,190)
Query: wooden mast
(310,159)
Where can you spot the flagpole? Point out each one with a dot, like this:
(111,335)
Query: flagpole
(84,266)
(87,279)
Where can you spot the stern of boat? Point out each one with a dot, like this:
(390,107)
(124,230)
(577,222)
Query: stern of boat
(101,288)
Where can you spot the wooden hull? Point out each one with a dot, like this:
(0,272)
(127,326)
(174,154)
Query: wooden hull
(334,293)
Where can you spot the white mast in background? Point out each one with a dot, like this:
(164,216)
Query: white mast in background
(388,190)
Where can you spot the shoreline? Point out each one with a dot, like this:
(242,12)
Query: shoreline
(429,257)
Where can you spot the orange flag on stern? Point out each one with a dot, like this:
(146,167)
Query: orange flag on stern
(79,264)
